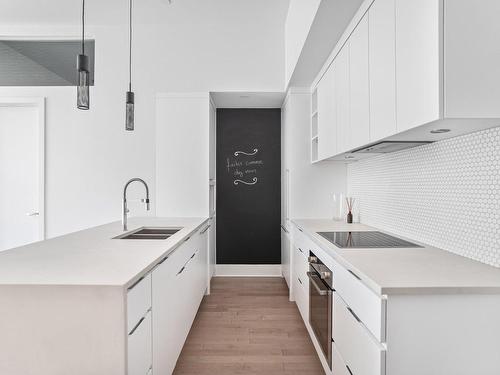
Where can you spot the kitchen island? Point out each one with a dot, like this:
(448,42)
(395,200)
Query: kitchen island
(88,303)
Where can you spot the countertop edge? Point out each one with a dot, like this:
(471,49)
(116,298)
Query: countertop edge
(392,290)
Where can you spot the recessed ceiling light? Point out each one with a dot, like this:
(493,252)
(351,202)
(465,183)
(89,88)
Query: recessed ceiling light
(440,131)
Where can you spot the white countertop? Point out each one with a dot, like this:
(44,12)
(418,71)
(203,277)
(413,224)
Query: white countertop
(406,270)
(92,257)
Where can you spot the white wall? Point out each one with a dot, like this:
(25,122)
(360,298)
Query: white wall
(311,185)
(189,46)
(298,23)
(445,194)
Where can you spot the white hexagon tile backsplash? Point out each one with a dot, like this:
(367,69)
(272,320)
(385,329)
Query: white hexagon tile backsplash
(446,194)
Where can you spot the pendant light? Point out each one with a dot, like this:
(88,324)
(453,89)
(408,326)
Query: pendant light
(82,65)
(129,98)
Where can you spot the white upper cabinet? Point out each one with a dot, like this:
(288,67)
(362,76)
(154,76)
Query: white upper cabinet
(406,68)
(327,115)
(359,130)
(382,65)
(417,62)
(342,97)
(472,63)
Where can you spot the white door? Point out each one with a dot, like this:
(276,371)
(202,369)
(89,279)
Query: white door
(20,175)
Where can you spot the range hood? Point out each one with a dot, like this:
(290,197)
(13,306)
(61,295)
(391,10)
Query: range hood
(386,147)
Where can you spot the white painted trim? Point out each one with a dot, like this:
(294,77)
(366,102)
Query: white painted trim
(295,91)
(252,270)
(199,95)
(39,103)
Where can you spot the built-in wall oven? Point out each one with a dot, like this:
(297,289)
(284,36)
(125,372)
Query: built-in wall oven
(321,304)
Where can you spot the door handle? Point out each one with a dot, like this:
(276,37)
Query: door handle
(34,213)
(321,292)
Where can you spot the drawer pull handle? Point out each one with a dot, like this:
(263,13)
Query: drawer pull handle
(187,238)
(204,230)
(353,314)
(356,276)
(300,281)
(136,326)
(192,256)
(180,271)
(163,260)
(300,229)
(134,284)
(348,369)
(302,251)
(284,229)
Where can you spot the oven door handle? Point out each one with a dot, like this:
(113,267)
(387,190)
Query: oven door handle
(321,292)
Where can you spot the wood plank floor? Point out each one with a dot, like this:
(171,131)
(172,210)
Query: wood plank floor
(248,326)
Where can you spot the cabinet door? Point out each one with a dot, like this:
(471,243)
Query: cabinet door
(327,115)
(170,295)
(382,64)
(418,47)
(285,255)
(359,133)
(343,99)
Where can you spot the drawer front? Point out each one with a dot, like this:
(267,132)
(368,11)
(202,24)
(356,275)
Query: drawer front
(300,263)
(301,297)
(369,307)
(360,351)
(139,348)
(338,365)
(138,301)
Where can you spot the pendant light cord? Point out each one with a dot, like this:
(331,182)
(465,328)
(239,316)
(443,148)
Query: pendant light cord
(130,48)
(83,27)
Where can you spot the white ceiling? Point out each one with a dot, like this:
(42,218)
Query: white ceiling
(248,99)
(112,12)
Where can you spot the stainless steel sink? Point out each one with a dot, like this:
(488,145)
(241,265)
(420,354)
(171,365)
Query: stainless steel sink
(149,233)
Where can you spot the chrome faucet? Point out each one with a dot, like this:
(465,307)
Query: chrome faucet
(124,202)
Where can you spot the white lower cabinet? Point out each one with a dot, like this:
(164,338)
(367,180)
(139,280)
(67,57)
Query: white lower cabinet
(139,347)
(359,349)
(338,365)
(178,288)
(300,281)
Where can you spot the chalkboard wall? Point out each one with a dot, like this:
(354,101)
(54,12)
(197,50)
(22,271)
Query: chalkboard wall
(248,186)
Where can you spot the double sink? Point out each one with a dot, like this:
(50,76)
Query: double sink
(149,233)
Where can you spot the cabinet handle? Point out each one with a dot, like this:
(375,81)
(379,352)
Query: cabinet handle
(136,326)
(353,314)
(301,250)
(284,229)
(300,281)
(137,282)
(187,238)
(348,369)
(163,260)
(180,271)
(204,230)
(192,256)
(300,229)
(356,276)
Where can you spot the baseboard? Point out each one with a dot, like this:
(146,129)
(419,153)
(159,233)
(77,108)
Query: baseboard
(254,270)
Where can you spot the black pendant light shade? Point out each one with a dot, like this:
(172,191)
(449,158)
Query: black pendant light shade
(129,98)
(82,90)
(129,111)
(82,66)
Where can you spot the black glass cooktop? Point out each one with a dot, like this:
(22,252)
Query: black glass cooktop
(365,240)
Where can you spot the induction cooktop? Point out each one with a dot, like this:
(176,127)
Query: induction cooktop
(365,240)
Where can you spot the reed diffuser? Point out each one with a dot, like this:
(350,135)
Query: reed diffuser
(350,203)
